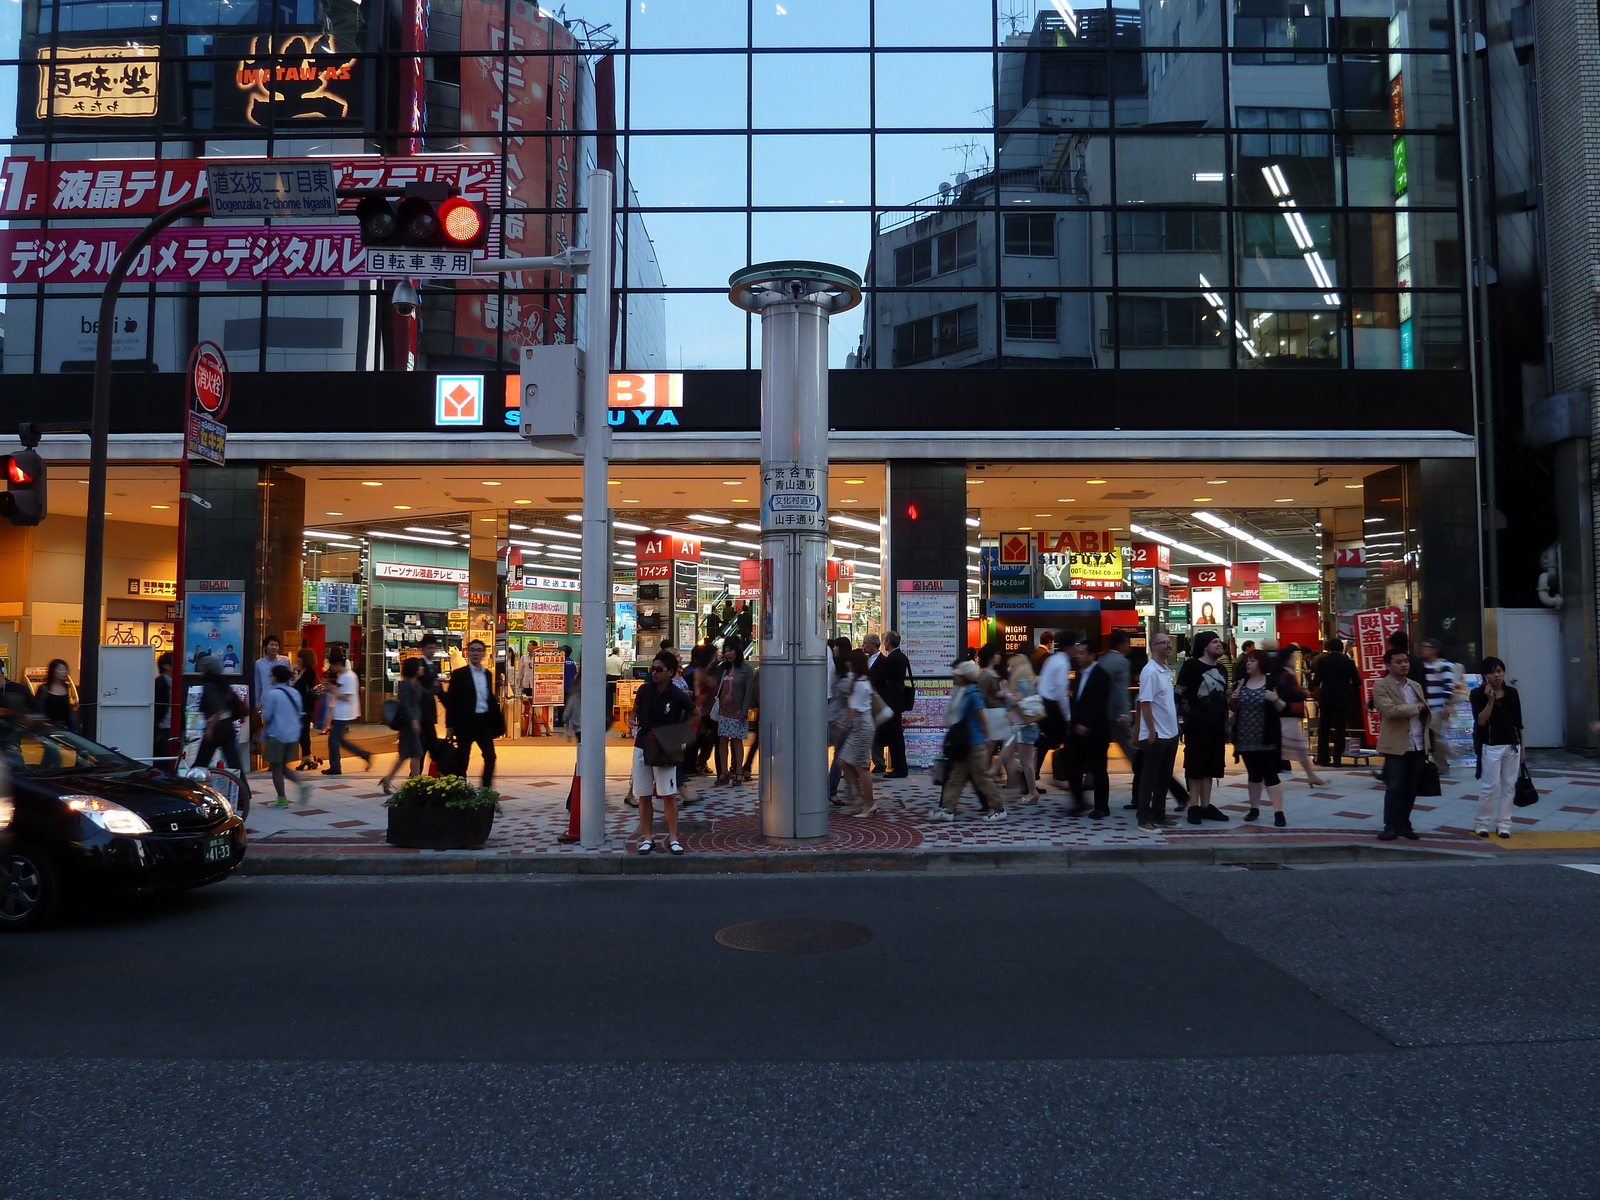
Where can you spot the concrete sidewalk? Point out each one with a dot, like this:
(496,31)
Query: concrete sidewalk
(340,827)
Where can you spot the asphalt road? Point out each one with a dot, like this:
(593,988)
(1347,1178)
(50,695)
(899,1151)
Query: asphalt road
(1382,1031)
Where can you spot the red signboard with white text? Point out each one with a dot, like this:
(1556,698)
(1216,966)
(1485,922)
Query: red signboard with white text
(1244,582)
(1150,555)
(666,547)
(117,187)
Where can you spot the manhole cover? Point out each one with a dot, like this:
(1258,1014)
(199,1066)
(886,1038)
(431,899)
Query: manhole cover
(793,936)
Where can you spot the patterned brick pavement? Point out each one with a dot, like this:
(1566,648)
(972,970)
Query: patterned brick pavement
(345,816)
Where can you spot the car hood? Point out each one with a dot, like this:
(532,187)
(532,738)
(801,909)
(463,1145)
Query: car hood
(151,793)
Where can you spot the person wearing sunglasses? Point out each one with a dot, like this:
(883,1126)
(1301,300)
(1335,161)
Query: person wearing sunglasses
(658,702)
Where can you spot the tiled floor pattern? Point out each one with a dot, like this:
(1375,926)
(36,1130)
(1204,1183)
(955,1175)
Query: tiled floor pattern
(345,816)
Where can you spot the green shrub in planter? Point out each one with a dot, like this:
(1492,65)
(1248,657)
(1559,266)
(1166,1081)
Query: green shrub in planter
(444,813)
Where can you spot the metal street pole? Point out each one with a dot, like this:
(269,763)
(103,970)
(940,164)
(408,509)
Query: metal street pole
(94,531)
(794,301)
(595,598)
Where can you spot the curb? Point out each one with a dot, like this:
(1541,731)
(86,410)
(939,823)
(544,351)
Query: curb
(446,863)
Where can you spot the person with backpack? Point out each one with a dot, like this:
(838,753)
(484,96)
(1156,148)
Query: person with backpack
(280,728)
(406,721)
(966,748)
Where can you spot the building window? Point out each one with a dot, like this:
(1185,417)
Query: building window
(1031,235)
(1270,235)
(1295,337)
(1031,320)
(1285,139)
(936,255)
(1155,322)
(1169,232)
(1279,31)
(934,337)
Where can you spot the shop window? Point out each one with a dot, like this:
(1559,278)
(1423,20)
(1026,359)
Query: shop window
(1285,132)
(1169,232)
(1031,320)
(936,255)
(1154,322)
(1293,338)
(935,337)
(1279,31)
(1031,234)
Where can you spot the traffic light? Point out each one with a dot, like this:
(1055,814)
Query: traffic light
(419,221)
(23,503)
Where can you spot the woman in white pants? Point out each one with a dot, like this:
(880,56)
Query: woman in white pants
(1497,734)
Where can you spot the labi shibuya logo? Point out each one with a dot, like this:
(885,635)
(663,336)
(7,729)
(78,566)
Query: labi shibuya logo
(615,417)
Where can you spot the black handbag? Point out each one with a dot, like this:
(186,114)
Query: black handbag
(664,746)
(1428,781)
(1526,793)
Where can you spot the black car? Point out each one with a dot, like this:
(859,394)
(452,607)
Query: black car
(87,823)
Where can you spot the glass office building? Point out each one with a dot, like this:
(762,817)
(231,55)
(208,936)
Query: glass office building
(1094,238)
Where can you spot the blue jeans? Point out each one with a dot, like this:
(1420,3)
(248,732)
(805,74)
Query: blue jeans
(1401,775)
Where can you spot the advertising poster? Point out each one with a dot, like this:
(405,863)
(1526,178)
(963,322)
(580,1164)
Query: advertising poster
(924,724)
(1208,608)
(549,683)
(1096,571)
(929,627)
(214,624)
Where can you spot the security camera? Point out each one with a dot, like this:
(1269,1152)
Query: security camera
(404,301)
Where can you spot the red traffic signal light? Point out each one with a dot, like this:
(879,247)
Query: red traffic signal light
(464,223)
(24,502)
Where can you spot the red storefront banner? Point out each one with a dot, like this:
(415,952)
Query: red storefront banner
(666,547)
(1244,581)
(212,252)
(528,92)
(749,579)
(116,187)
(1373,627)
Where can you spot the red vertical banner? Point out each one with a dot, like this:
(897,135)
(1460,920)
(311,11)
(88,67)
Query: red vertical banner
(531,95)
(749,579)
(1244,582)
(1373,627)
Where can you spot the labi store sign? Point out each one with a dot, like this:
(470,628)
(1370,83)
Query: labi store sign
(297,78)
(98,82)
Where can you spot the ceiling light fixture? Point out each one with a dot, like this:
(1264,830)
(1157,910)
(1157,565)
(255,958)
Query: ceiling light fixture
(406,537)
(522,502)
(402,508)
(973,522)
(438,532)
(709,519)
(855,523)
(560,533)
(1266,548)
(855,482)
(747,527)
(732,482)
(628,525)
(370,483)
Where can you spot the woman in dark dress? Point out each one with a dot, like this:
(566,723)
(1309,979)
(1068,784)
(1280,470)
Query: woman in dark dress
(408,696)
(57,700)
(308,682)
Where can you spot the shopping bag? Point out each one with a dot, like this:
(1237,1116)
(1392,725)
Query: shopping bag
(1428,781)
(996,724)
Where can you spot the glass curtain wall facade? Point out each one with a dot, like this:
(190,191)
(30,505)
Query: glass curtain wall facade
(1217,184)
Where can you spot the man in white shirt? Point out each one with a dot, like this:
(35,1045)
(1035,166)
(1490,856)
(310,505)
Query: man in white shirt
(1158,727)
(472,713)
(1053,690)
(346,712)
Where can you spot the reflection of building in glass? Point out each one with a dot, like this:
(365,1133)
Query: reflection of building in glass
(1157,201)
(283,81)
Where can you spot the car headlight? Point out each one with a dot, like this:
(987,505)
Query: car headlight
(107,814)
(217,797)
(7,811)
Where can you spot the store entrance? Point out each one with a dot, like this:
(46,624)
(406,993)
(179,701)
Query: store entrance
(493,552)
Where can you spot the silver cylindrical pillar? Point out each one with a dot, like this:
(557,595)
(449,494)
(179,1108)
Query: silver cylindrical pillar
(795,301)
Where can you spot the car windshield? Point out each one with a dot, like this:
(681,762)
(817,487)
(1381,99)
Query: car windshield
(44,749)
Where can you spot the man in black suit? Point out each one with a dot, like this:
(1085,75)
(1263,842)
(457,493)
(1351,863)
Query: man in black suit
(1091,729)
(1336,686)
(472,713)
(890,677)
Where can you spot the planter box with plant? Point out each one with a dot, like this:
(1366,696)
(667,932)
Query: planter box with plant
(444,813)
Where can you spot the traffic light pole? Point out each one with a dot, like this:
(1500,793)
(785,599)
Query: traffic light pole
(94,532)
(595,597)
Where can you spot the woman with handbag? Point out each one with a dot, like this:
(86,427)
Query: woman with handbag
(732,711)
(663,711)
(1019,686)
(1258,734)
(856,749)
(1497,737)
(1295,747)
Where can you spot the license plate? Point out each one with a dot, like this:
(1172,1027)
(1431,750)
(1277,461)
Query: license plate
(218,849)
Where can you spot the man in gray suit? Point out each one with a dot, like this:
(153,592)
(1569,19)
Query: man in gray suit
(1114,662)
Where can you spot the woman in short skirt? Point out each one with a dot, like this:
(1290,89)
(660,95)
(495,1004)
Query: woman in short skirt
(857,748)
